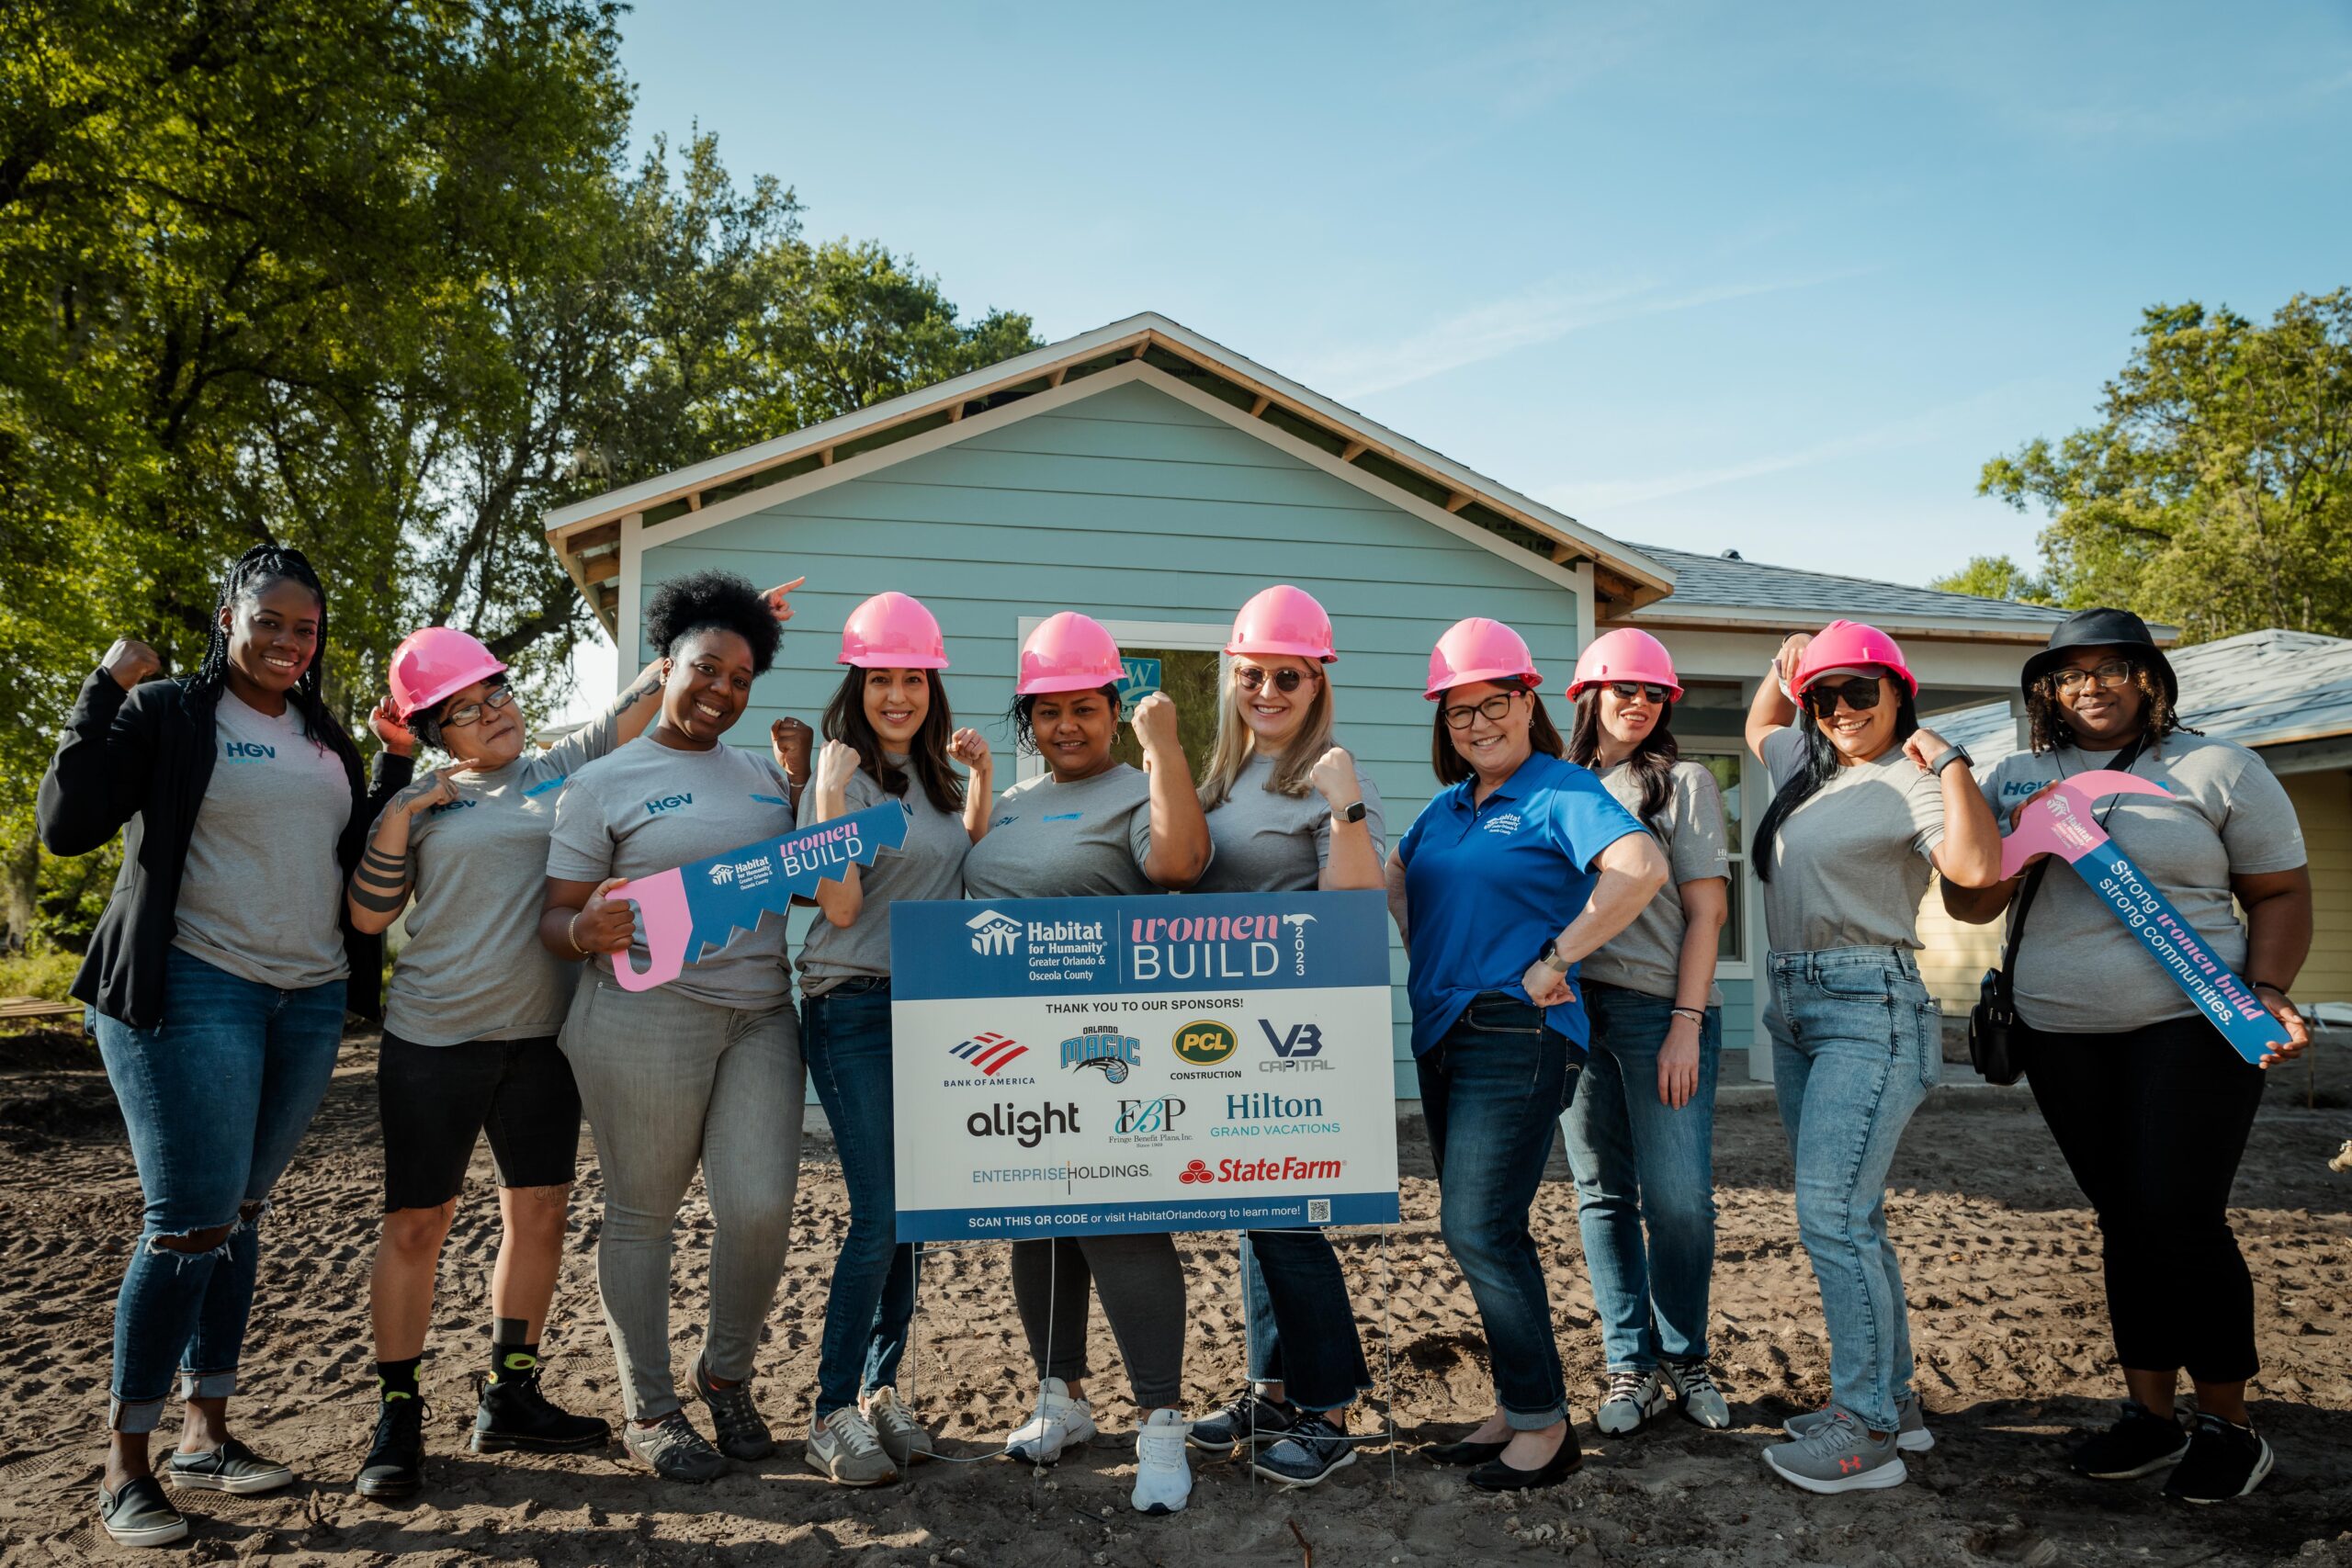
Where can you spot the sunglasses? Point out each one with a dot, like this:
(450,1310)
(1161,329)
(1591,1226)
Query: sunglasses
(1285,681)
(1628,690)
(457,718)
(1857,694)
(1493,707)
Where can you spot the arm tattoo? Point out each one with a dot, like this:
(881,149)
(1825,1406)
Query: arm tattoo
(381,882)
(646,685)
(362,894)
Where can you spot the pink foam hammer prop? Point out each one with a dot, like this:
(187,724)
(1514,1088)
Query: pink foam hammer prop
(2058,821)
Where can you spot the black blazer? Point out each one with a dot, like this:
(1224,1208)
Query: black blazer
(138,763)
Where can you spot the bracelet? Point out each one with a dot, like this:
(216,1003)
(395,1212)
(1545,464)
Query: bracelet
(571,933)
(1693,1014)
(2267,985)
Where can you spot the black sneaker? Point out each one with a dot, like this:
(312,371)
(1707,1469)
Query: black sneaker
(231,1468)
(395,1463)
(140,1514)
(2223,1462)
(515,1414)
(733,1417)
(674,1449)
(1228,1428)
(1310,1450)
(2140,1443)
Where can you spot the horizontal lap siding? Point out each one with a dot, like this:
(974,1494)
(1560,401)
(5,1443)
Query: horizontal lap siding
(1130,505)
(2324,807)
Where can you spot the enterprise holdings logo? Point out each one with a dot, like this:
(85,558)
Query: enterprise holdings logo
(1101,1045)
(993,1054)
(1070,1174)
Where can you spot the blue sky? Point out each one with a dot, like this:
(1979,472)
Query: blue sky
(1778,279)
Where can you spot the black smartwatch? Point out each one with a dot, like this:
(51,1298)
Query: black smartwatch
(1351,813)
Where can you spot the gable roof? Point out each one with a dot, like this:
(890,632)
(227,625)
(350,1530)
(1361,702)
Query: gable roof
(586,533)
(1722,592)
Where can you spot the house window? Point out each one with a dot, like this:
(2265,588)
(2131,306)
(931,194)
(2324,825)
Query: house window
(1727,767)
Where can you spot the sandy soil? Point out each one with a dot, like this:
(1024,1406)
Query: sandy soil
(2000,1256)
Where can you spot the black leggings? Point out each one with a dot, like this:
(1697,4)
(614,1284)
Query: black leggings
(2153,1123)
(1141,1282)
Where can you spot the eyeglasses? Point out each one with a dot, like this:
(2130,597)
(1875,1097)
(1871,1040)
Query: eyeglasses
(1858,693)
(1493,707)
(1628,690)
(2114,673)
(457,718)
(1285,681)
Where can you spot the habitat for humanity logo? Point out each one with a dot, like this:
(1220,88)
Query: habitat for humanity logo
(1507,823)
(993,935)
(1101,1045)
(743,873)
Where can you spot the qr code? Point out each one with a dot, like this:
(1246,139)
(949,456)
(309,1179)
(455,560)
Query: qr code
(1319,1211)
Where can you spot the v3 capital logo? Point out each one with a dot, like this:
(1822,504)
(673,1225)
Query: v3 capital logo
(1297,1048)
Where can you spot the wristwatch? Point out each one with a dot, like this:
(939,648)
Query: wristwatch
(1552,960)
(1352,812)
(1951,754)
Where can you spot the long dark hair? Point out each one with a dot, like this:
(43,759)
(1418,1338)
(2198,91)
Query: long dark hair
(845,721)
(1653,760)
(1820,765)
(2046,719)
(1541,736)
(254,571)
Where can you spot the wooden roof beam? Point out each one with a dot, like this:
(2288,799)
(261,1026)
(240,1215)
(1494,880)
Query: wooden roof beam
(1353,450)
(1457,502)
(594,538)
(1258,409)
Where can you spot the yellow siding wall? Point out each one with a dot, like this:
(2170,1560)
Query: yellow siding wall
(1953,957)
(2324,805)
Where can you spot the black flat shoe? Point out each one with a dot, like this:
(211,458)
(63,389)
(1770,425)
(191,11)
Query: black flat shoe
(1496,1476)
(1465,1452)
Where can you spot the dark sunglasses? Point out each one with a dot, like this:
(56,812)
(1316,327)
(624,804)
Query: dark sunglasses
(1628,690)
(457,718)
(1858,693)
(1285,681)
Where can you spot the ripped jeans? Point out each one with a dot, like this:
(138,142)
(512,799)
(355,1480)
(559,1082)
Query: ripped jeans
(216,1098)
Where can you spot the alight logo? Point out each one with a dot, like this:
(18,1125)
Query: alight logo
(1205,1042)
(1100,1045)
(248,751)
(1027,1128)
(1507,823)
(1150,1121)
(989,1051)
(668,803)
(1287,1167)
(993,935)
(1295,1048)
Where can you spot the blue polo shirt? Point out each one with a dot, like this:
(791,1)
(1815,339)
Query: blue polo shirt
(1487,888)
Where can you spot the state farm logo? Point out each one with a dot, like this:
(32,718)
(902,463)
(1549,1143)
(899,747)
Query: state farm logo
(994,935)
(1026,1127)
(1297,1048)
(1289,1168)
(1151,1122)
(1102,1046)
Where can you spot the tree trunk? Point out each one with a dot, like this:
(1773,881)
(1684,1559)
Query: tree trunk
(19,887)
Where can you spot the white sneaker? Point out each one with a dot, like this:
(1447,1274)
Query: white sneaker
(1163,1472)
(1061,1423)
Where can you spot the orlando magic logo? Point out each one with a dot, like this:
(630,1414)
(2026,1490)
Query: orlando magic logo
(1101,1045)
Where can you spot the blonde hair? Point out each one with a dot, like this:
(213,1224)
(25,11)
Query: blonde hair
(1236,744)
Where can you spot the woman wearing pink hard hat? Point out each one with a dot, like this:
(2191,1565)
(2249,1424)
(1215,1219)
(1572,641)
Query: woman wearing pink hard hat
(1867,809)
(1641,1132)
(469,1033)
(890,737)
(1288,811)
(1092,827)
(1518,868)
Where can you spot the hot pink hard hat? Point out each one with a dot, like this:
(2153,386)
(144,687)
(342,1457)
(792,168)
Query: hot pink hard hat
(431,663)
(1843,645)
(1070,652)
(892,631)
(1626,654)
(1283,620)
(1478,649)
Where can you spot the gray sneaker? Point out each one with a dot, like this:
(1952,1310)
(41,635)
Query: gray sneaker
(1632,1398)
(674,1449)
(734,1419)
(844,1450)
(1911,1435)
(903,1437)
(1839,1455)
(1694,1387)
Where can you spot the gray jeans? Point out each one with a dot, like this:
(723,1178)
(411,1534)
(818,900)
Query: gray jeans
(668,1082)
(1141,1282)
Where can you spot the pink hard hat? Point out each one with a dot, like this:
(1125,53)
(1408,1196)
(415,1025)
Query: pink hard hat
(1626,654)
(1478,649)
(892,631)
(1283,620)
(1845,645)
(431,663)
(1070,652)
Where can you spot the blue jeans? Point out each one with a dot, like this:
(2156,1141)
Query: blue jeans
(1637,1159)
(1293,1276)
(846,1038)
(1857,1042)
(1492,1090)
(216,1097)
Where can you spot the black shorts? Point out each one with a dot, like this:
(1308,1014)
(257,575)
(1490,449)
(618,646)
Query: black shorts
(434,1100)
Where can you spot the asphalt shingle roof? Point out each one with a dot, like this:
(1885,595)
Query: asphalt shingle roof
(1714,581)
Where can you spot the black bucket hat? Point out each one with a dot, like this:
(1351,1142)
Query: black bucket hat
(2103,628)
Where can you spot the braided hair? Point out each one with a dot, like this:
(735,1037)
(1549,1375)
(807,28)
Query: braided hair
(254,571)
(2046,720)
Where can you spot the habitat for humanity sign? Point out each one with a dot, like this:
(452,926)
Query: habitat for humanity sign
(1065,1066)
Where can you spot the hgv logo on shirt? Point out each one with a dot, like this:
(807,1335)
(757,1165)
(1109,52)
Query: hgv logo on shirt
(669,803)
(248,751)
(1065,817)
(1507,823)
(447,807)
(2020,788)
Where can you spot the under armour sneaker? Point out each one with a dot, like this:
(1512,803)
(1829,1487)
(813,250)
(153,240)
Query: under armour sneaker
(735,1420)
(844,1450)
(2225,1461)
(1632,1398)
(395,1463)
(140,1514)
(1911,1434)
(904,1438)
(231,1467)
(1309,1452)
(2140,1443)
(674,1449)
(1163,1471)
(1839,1455)
(1247,1417)
(1694,1388)
(516,1413)
(1060,1423)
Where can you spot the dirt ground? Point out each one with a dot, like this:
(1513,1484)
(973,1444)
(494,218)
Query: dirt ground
(2000,1256)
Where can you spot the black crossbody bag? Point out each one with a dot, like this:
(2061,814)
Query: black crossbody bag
(1996,1037)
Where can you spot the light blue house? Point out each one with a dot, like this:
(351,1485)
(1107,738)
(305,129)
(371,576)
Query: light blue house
(1155,479)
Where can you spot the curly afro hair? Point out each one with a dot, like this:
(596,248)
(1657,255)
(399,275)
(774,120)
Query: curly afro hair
(703,601)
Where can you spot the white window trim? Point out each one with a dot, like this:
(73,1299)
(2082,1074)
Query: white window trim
(1739,968)
(1182,637)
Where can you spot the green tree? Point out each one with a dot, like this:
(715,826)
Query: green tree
(2216,491)
(1995,577)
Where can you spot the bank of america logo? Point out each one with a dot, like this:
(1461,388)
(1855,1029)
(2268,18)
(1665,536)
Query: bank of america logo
(990,1052)
(993,934)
